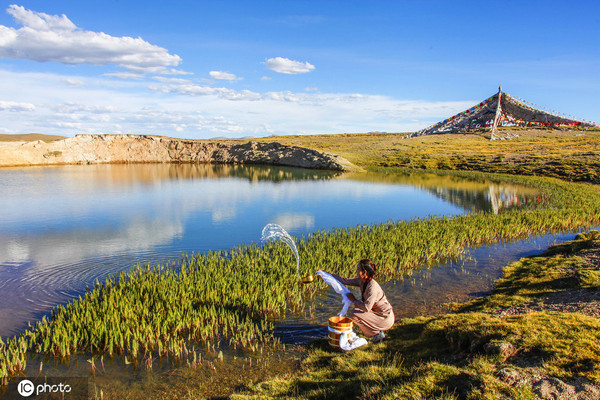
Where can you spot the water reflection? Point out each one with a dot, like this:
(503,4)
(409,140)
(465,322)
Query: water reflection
(469,194)
(64,227)
(154,173)
(493,198)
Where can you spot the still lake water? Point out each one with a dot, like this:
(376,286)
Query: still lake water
(61,228)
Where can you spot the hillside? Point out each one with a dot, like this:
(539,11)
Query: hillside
(569,155)
(104,149)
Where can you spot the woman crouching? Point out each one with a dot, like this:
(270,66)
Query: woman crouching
(373,313)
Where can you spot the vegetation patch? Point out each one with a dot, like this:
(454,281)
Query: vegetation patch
(474,353)
(53,154)
(570,155)
(558,272)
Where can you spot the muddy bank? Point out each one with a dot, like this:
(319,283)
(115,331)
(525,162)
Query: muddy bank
(97,149)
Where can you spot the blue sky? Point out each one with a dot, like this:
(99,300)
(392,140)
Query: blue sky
(199,69)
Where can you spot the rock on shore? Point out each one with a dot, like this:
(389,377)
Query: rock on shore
(96,149)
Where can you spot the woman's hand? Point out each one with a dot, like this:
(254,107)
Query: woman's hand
(351,297)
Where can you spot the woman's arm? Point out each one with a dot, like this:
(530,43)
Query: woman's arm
(357,303)
(347,281)
(371,295)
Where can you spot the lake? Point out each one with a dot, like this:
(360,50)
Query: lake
(64,227)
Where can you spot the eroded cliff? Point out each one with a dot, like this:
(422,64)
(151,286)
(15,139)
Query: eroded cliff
(92,149)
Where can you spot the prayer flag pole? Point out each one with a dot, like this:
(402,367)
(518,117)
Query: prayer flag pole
(498,113)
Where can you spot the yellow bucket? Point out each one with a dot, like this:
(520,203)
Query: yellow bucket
(340,324)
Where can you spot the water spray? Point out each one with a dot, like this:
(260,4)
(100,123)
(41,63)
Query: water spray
(275,232)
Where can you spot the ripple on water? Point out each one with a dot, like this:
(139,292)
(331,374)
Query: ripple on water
(30,291)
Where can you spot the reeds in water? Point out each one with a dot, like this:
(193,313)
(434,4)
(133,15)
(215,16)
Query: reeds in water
(232,298)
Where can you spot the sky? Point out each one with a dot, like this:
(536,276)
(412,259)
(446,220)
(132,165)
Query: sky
(205,69)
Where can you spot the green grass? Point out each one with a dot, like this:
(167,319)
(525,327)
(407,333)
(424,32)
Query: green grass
(527,280)
(447,357)
(570,155)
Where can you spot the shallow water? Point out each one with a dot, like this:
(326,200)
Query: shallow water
(425,291)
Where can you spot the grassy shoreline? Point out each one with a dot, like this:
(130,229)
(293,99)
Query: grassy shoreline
(152,310)
(570,155)
(474,352)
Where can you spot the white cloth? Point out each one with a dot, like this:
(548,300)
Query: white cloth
(339,288)
(349,340)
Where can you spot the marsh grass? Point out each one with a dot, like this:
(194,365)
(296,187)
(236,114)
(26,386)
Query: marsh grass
(231,298)
(445,357)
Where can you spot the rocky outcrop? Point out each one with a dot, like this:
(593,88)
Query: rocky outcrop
(94,149)
(549,387)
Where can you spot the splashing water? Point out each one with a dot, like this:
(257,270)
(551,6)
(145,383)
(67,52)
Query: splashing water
(274,231)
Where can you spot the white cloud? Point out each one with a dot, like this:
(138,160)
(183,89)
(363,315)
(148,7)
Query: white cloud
(173,71)
(40,21)
(124,75)
(74,82)
(190,89)
(223,76)
(72,107)
(16,106)
(46,37)
(69,125)
(290,97)
(197,90)
(171,80)
(287,66)
(191,110)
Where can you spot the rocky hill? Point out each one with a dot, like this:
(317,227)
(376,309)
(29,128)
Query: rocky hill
(94,149)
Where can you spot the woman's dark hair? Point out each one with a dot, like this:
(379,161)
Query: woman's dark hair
(368,266)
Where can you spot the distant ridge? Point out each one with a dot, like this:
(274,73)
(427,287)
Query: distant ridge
(105,149)
(30,137)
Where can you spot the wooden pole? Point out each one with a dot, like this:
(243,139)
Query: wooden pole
(498,114)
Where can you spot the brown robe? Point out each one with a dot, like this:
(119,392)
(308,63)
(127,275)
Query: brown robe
(375,313)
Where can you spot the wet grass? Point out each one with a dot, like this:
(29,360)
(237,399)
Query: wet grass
(457,355)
